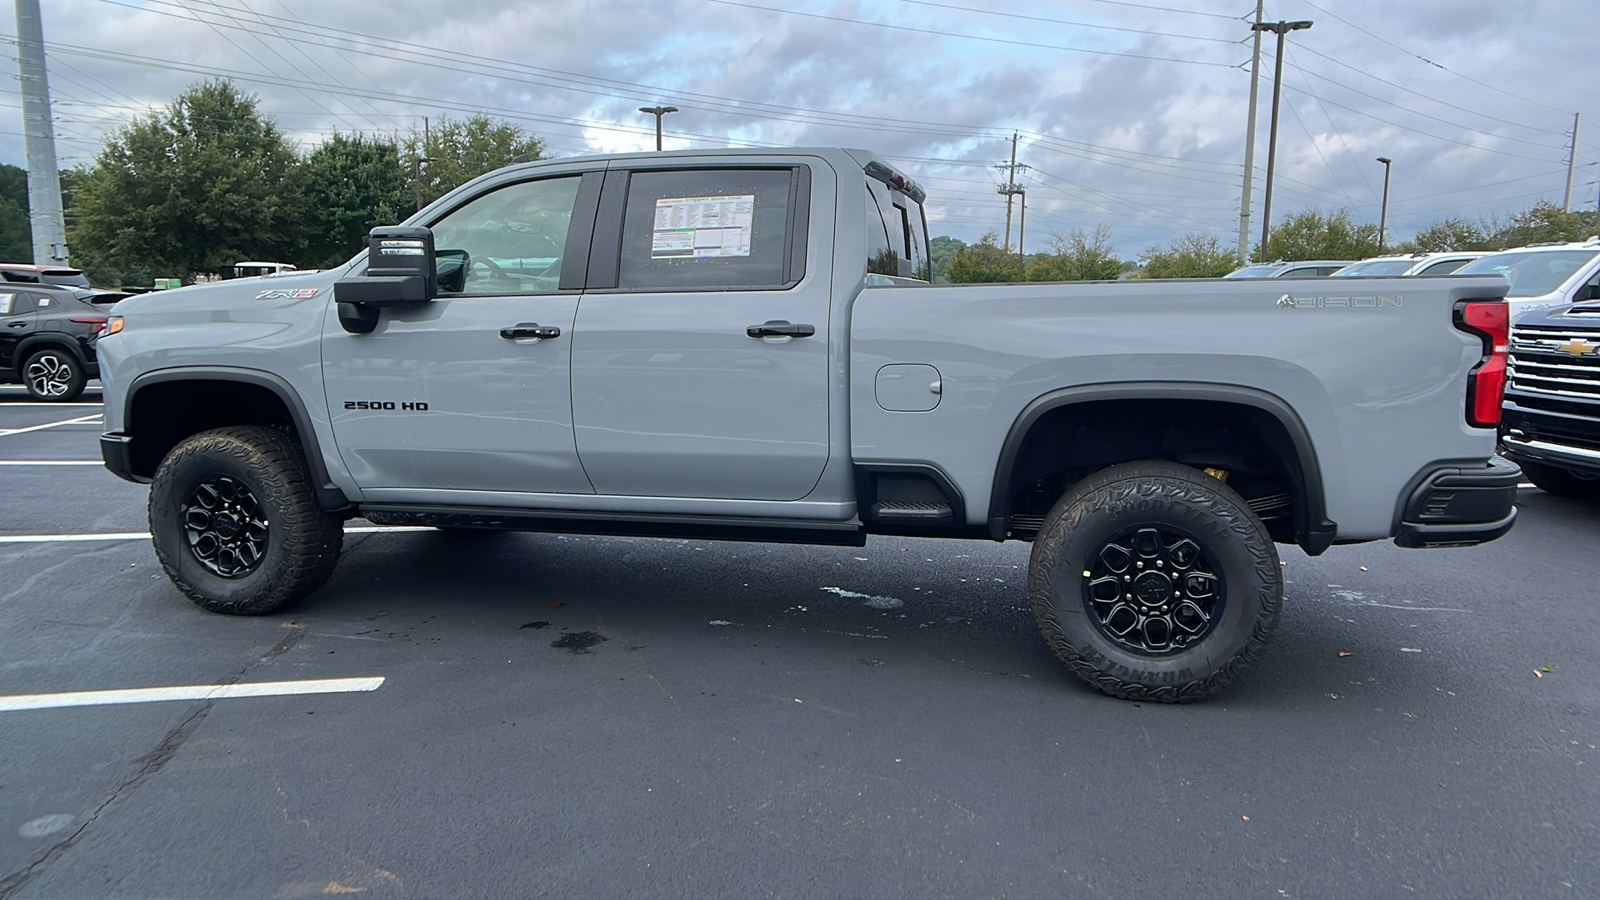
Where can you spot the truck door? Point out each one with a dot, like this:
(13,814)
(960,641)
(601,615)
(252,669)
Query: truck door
(700,356)
(472,391)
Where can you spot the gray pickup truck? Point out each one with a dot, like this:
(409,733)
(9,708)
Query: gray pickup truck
(743,345)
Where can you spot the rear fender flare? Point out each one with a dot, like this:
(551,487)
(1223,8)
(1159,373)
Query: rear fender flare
(1314,532)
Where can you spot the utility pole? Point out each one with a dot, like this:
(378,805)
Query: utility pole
(1383,211)
(1280,28)
(1010,186)
(44,180)
(417,160)
(1022,225)
(1250,141)
(658,112)
(1572,154)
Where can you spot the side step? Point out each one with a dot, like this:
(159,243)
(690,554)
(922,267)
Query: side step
(909,510)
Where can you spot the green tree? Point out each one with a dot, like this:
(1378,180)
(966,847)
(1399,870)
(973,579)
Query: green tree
(1078,256)
(16,234)
(462,149)
(198,186)
(1543,221)
(1313,235)
(940,250)
(1194,255)
(1445,235)
(985,261)
(352,182)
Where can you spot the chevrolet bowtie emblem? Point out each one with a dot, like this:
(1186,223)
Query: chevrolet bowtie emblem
(1578,347)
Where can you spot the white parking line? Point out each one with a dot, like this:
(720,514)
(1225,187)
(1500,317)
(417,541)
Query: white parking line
(189,692)
(51,462)
(81,420)
(44,405)
(145,535)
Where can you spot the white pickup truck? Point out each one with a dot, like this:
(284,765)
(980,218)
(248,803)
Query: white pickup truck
(742,345)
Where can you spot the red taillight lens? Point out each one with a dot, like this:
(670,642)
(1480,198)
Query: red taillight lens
(97,323)
(1486,386)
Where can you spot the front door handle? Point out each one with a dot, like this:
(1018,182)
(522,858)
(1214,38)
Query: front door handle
(524,330)
(19,324)
(780,328)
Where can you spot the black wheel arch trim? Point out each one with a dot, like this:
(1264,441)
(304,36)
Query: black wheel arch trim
(329,496)
(1313,532)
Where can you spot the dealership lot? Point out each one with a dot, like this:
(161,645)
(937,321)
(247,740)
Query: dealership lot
(765,720)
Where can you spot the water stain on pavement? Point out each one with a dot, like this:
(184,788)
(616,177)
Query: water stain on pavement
(536,626)
(578,641)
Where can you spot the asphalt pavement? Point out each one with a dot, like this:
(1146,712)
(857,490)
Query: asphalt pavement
(568,716)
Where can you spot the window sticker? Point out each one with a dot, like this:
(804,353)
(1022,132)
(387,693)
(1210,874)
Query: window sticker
(702,227)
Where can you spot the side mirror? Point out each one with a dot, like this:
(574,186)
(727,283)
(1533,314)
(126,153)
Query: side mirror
(400,271)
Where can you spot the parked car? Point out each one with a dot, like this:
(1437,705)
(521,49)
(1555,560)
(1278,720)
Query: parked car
(27,273)
(1311,268)
(47,339)
(1409,264)
(255,269)
(1544,275)
(1550,425)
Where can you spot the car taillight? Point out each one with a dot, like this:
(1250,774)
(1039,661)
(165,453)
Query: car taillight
(96,324)
(1486,385)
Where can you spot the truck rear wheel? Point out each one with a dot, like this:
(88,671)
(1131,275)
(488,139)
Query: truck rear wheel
(1154,581)
(1559,481)
(235,521)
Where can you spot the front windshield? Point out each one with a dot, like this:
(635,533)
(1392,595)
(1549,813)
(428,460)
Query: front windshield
(1262,271)
(1376,267)
(1532,273)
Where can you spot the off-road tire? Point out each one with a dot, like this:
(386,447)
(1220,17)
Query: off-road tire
(302,542)
(1559,481)
(54,374)
(1162,495)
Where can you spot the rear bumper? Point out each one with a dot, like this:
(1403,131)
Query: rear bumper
(1458,506)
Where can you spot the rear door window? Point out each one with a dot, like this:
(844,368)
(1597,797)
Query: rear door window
(8,304)
(716,229)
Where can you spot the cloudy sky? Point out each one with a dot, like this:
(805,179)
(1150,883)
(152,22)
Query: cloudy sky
(1130,114)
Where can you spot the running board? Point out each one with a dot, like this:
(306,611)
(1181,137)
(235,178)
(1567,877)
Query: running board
(708,528)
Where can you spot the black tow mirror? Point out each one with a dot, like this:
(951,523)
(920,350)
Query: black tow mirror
(400,272)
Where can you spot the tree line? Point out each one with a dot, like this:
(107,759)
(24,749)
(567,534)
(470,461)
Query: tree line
(209,181)
(1310,234)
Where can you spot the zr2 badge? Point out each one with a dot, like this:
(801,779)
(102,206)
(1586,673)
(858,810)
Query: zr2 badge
(285,294)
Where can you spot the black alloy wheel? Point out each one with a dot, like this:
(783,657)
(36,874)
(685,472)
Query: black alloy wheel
(1153,590)
(226,527)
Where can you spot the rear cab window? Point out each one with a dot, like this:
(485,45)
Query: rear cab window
(897,215)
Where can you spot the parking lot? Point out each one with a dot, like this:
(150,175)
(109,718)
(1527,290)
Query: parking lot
(608,717)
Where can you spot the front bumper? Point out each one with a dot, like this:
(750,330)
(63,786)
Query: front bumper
(1458,506)
(115,449)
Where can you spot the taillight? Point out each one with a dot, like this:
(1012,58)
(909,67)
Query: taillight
(1486,385)
(96,324)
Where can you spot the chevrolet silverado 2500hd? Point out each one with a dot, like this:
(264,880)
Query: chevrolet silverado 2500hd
(742,345)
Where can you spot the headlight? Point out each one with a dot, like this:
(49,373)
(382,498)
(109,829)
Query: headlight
(113,325)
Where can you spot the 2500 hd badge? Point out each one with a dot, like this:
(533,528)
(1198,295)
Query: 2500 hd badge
(385,405)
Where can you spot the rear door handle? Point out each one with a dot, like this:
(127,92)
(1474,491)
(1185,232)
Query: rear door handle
(19,324)
(780,328)
(524,330)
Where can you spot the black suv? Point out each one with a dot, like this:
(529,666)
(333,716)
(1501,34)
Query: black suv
(47,337)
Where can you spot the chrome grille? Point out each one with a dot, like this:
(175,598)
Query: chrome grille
(1539,367)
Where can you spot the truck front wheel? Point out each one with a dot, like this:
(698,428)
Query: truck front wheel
(1154,581)
(235,521)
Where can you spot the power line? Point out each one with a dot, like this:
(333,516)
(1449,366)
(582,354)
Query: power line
(971,37)
(991,12)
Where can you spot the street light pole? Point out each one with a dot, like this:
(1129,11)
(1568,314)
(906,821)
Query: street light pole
(1280,28)
(658,112)
(1383,211)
